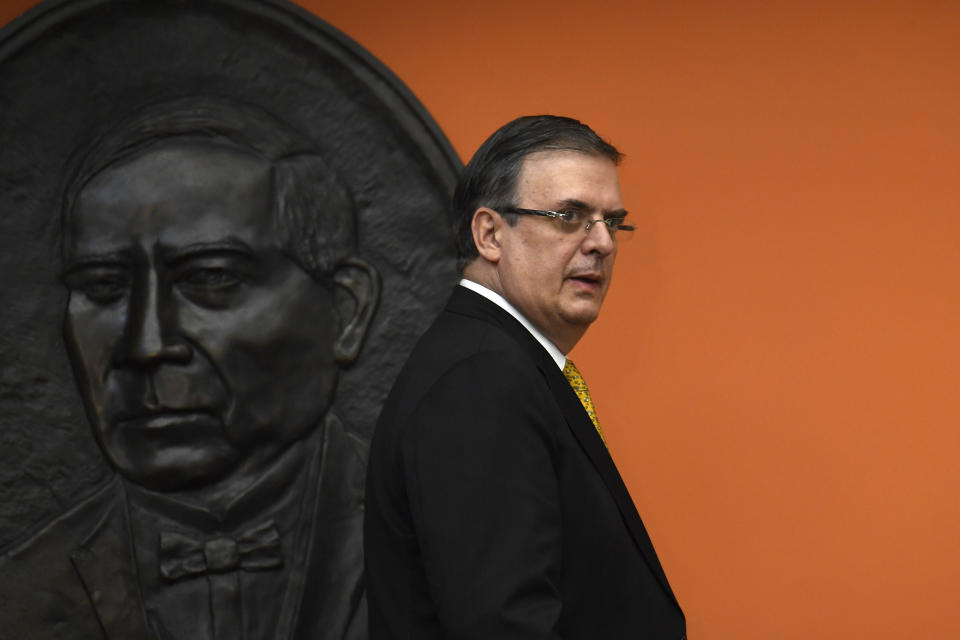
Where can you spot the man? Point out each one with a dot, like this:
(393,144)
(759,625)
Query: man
(493,508)
(213,296)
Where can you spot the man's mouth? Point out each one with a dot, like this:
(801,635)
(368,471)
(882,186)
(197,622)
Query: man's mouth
(588,279)
(162,418)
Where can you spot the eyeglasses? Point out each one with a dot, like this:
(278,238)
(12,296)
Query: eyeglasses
(571,220)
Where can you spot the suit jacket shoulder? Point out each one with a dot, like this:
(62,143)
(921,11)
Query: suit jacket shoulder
(51,580)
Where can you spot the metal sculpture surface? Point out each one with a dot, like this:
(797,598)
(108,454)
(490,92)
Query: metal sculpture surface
(224,224)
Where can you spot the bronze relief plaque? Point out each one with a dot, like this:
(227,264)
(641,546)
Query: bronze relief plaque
(223,225)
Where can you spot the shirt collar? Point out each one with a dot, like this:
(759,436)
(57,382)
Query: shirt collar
(558,357)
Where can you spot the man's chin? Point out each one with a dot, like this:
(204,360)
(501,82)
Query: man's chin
(176,467)
(582,312)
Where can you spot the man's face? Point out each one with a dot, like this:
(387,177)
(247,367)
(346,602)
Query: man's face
(200,348)
(558,279)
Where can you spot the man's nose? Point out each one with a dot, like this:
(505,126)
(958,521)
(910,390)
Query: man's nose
(152,334)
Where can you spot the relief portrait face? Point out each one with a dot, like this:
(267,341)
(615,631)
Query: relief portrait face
(200,347)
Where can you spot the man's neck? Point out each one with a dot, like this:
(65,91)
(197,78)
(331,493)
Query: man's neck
(555,353)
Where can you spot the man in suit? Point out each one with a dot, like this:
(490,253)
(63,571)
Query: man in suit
(214,294)
(493,508)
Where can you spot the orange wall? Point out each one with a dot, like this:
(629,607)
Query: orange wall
(779,360)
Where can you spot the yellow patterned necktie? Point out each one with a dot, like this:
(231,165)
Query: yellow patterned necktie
(572,374)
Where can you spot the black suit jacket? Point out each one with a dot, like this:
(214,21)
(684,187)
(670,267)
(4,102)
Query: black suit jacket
(493,508)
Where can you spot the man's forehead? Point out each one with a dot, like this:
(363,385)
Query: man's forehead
(176,162)
(563,175)
(179,190)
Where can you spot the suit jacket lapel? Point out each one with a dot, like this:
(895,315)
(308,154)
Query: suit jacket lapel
(325,597)
(468,302)
(106,566)
(586,434)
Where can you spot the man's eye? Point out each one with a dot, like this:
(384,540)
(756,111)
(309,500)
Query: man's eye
(99,287)
(213,287)
(210,278)
(570,215)
(613,222)
(106,290)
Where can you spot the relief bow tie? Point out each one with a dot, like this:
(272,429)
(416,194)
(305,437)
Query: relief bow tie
(254,550)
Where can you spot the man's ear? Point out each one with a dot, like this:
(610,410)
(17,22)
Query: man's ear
(486,225)
(357,292)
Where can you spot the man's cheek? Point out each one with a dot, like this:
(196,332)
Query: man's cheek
(92,340)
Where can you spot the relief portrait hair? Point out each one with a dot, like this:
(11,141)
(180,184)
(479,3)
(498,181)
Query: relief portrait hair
(313,212)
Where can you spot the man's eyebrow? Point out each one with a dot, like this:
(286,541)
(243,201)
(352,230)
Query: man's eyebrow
(112,259)
(573,203)
(231,245)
